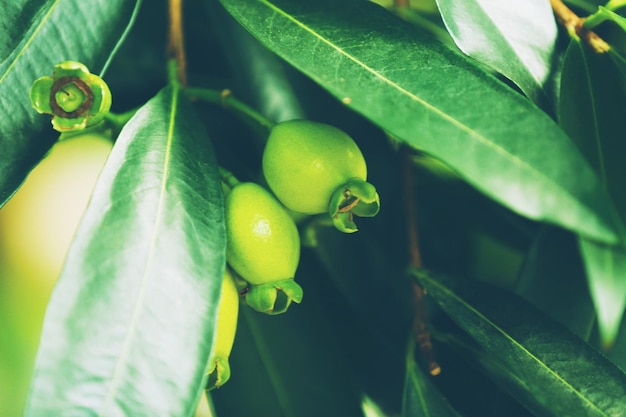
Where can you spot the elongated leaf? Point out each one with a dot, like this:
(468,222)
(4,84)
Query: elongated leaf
(516,39)
(17,16)
(552,371)
(88,32)
(437,101)
(591,109)
(129,327)
(552,264)
(421,398)
(290,365)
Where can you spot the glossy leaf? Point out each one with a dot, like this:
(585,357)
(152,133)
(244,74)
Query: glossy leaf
(129,327)
(550,370)
(17,16)
(591,109)
(88,32)
(436,100)
(516,39)
(421,398)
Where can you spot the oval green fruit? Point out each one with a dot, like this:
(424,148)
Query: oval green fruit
(304,162)
(263,241)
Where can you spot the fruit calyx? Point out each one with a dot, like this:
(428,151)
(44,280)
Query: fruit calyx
(355,197)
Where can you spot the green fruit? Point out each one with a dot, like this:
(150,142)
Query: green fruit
(263,241)
(219,369)
(304,162)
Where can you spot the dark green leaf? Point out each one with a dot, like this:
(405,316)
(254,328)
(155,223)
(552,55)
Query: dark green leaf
(591,109)
(552,264)
(60,30)
(129,327)
(421,398)
(289,365)
(437,101)
(552,371)
(17,16)
(515,39)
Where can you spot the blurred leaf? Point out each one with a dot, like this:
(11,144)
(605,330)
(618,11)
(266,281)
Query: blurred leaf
(436,100)
(289,365)
(259,74)
(620,65)
(553,372)
(421,398)
(60,30)
(591,109)
(129,327)
(606,273)
(516,39)
(552,264)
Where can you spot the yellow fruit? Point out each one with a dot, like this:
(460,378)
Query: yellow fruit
(219,370)
(263,241)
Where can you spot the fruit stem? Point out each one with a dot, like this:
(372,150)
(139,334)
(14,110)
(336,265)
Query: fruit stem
(227,100)
(575,28)
(176,44)
(420,320)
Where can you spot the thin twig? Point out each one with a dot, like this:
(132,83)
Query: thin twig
(176,44)
(574,25)
(420,320)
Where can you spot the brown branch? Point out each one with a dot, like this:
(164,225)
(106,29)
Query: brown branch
(401,4)
(574,25)
(420,319)
(176,44)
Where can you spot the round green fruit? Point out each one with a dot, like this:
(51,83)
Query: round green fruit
(263,241)
(304,162)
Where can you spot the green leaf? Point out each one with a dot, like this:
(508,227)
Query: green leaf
(551,371)
(289,365)
(17,16)
(552,264)
(591,109)
(606,273)
(420,397)
(88,32)
(515,39)
(129,327)
(436,100)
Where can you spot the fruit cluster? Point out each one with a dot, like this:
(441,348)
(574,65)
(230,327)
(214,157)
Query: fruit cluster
(311,168)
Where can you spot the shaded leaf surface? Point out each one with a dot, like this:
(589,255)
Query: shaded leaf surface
(591,109)
(60,30)
(129,327)
(516,39)
(552,264)
(437,101)
(289,365)
(552,371)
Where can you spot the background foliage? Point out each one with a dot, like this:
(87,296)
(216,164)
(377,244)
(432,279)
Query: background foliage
(514,161)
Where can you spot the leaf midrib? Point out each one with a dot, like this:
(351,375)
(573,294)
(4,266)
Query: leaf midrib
(29,41)
(514,342)
(507,155)
(116,379)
